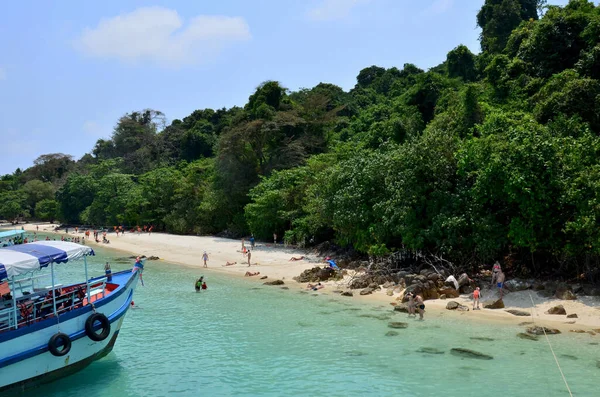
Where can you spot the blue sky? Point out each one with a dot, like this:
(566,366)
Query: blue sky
(70,69)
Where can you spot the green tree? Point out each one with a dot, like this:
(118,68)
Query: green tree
(461,63)
(46,210)
(498,18)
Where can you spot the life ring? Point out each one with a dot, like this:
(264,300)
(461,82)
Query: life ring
(59,344)
(104,324)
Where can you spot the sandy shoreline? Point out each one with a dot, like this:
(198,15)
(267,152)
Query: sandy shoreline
(275,263)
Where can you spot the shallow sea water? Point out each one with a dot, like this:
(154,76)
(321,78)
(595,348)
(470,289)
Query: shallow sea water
(242,338)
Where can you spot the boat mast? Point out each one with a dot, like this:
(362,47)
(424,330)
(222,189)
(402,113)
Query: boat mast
(53,290)
(14,300)
(87,285)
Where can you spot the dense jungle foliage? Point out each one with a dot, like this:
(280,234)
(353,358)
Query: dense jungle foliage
(487,156)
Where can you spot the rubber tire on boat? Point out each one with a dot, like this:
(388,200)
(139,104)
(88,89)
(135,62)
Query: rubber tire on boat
(89,327)
(53,344)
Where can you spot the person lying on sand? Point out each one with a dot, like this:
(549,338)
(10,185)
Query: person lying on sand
(296,258)
(250,274)
(230,263)
(315,287)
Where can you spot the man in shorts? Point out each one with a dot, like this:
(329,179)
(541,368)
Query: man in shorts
(420,305)
(500,283)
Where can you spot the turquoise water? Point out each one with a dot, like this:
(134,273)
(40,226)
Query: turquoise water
(243,338)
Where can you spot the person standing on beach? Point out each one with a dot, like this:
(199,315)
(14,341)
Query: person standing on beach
(252,242)
(411,304)
(500,283)
(476,295)
(420,306)
(205,258)
(274,238)
(495,270)
(249,255)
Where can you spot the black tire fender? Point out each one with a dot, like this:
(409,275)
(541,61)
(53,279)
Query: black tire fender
(104,326)
(56,341)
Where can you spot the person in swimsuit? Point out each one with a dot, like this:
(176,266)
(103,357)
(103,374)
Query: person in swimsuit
(205,258)
(108,272)
(495,270)
(420,306)
(476,295)
(411,304)
(500,283)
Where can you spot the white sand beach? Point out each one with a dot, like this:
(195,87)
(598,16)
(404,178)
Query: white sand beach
(274,262)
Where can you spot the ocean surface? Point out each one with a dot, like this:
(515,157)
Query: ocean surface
(240,338)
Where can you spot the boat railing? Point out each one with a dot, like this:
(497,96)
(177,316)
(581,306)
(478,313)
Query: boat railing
(39,305)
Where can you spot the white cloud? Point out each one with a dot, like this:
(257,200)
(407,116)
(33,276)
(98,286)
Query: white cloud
(329,10)
(439,6)
(2,74)
(158,34)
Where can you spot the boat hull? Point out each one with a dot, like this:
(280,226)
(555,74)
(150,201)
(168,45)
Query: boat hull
(25,360)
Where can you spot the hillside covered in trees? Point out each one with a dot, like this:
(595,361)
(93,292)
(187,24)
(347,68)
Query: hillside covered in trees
(487,156)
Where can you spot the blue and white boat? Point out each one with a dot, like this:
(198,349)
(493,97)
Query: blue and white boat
(48,332)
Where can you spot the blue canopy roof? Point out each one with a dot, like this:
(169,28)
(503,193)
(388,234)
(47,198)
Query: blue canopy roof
(11,233)
(24,258)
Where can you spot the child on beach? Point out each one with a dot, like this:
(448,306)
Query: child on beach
(476,295)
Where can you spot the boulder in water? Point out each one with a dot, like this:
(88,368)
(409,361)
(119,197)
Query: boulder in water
(392,333)
(468,353)
(540,330)
(430,350)
(347,293)
(397,324)
(525,336)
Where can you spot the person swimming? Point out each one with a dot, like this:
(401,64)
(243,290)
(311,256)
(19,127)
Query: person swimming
(198,284)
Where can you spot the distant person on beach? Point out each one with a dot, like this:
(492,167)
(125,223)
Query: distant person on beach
(500,283)
(420,306)
(411,304)
(250,274)
(331,263)
(476,296)
(249,255)
(108,272)
(274,238)
(229,263)
(252,242)
(296,258)
(205,258)
(315,287)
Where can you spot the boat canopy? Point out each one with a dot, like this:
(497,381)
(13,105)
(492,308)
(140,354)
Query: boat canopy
(24,258)
(10,233)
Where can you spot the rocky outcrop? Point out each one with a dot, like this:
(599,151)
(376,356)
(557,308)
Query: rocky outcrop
(347,293)
(316,274)
(519,313)
(452,305)
(517,284)
(449,292)
(558,310)
(263,277)
(499,304)
(275,282)
(468,353)
(572,315)
(564,292)
(578,331)
(367,291)
(540,331)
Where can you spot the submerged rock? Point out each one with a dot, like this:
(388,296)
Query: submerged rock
(392,333)
(499,304)
(468,353)
(519,313)
(523,335)
(559,310)
(397,324)
(275,282)
(402,308)
(483,338)
(540,331)
(578,331)
(525,323)
(570,357)
(430,350)
(263,277)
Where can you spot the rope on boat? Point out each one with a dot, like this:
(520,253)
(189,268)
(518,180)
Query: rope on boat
(551,349)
